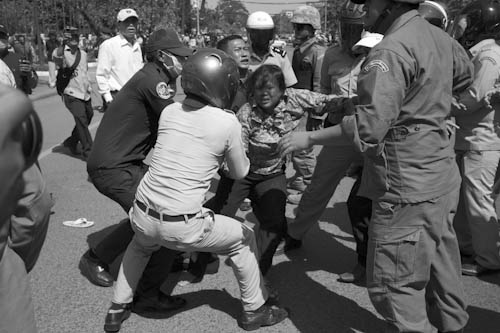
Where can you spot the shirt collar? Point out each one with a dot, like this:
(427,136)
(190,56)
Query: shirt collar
(308,43)
(402,20)
(124,41)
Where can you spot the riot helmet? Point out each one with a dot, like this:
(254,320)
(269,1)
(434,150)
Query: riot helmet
(477,21)
(351,24)
(307,15)
(260,28)
(211,75)
(435,13)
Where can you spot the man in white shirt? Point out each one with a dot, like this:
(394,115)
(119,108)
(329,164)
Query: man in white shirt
(120,57)
(168,204)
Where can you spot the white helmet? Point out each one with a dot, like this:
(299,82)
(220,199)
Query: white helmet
(260,21)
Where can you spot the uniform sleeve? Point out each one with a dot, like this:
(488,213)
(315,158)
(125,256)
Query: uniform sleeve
(159,95)
(325,83)
(463,69)
(486,73)
(290,78)
(103,71)
(382,83)
(317,69)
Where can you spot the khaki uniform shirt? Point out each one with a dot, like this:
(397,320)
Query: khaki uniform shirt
(405,90)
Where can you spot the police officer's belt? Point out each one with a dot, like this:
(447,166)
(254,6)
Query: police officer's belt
(163,217)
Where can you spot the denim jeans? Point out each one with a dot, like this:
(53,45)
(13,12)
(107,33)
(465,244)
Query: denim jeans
(204,232)
(476,222)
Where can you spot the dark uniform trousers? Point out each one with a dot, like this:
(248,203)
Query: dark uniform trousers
(120,185)
(82,113)
(360,211)
(413,255)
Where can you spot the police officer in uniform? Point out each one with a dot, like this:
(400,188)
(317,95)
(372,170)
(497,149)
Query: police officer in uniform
(260,30)
(339,75)
(398,123)
(306,63)
(477,142)
(116,163)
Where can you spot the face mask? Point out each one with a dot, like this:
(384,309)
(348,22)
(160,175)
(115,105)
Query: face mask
(171,64)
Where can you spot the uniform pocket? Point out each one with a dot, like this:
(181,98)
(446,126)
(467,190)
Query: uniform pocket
(395,255)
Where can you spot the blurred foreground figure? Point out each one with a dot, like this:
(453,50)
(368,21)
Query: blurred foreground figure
(22,197)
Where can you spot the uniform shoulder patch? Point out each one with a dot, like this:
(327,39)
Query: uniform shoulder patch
(164,91)
(377,64)
(278,50)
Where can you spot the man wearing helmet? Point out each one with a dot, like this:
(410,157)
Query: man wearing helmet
(477,142)
(339,73)
(116,164)
(260,29)
(168,210)
(306,63)
(435,13)
(398,123)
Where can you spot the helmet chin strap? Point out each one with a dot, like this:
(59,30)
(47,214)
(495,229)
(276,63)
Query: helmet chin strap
(378,23)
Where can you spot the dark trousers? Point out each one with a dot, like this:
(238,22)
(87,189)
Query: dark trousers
(360,212)
(268,195)
(221,194)
(82,113)
(120,185)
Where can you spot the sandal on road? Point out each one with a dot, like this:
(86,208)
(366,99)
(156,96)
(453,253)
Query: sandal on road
(79,223)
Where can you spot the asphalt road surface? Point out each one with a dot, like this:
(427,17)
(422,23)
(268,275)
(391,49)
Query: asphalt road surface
(307,281)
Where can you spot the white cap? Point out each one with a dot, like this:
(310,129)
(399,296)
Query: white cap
(368,39)
(125,14)
(260,21)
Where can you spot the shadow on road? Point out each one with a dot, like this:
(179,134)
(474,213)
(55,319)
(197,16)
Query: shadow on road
(217,299)
(482,320)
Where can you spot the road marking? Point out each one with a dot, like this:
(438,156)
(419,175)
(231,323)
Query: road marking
(49,151)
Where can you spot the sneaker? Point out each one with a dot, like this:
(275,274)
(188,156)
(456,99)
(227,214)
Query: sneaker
(358,274)
(474,269)
(294,199)
(117,314)
(266,315)
(297,185)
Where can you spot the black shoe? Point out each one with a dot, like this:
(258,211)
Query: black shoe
(71,146)
(161,303)
(358,274)
(266,315)
(117,314)
(292,243)
(95,271)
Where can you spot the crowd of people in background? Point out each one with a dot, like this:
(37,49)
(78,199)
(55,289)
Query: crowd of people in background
(405,102)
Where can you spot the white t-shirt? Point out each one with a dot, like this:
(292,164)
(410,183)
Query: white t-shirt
(190,147)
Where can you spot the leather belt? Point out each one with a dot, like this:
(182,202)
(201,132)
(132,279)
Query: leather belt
(164,217)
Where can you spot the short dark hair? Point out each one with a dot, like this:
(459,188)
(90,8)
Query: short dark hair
(224,42)
(263,75)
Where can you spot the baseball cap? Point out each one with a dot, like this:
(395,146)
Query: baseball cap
(125,14)
(368,39)
(3,30)
(167,39)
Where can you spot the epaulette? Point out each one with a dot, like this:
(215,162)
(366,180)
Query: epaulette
(279,51)
(229,111)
